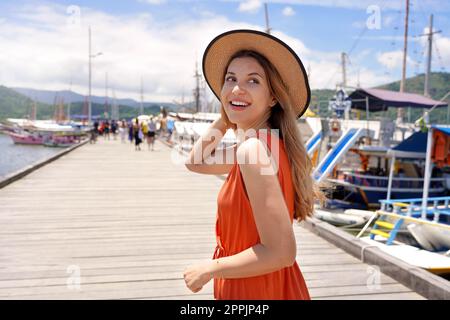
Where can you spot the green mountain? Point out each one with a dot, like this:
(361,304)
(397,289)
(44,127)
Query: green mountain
(319,101)
(16,105)
(439,86)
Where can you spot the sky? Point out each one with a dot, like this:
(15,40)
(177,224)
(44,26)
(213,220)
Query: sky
(44,44)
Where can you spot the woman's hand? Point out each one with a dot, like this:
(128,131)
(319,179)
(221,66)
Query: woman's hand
(197,276)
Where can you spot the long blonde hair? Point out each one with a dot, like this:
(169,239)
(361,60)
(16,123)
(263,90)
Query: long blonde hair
(282,117)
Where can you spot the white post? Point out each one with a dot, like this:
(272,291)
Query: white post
(69,103)
(391,176)
(427,173)
(367,112)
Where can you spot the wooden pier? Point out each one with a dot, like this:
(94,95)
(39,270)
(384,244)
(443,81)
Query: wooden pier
(108,222)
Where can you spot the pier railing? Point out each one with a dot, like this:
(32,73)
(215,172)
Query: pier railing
(382,181)
(436,206)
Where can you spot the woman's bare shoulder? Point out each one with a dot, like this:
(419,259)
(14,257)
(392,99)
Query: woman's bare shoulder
(254,155)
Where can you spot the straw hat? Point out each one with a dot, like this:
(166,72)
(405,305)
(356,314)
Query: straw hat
(283,58)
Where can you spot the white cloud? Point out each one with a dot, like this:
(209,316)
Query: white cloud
(443,48)
(288,11)
(326,74)
(155,2)
(368,78)
(250,6)
(393,59)
(432,5)
(42,48)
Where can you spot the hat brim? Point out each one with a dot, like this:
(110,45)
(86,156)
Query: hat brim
(283,58)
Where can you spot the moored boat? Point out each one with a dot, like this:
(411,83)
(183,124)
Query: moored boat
(395,173)
(60,141)
(26,138)
(348,218)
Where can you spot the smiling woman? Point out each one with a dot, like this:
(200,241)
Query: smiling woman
(263,88)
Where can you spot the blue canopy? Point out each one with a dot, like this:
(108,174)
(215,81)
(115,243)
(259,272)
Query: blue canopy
(415,146)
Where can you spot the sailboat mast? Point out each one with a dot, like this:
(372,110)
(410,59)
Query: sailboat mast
(430,46)
(344,74)
(400,111)
(33,110)
(114,107)
(427,74)
(197,89)
(267,18)
(55,105)
(142,96)
(70,100)
(106,95)
(309,72)
(405,49)
(358,85)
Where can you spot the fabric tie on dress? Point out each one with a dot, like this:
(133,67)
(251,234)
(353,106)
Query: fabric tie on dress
(220,250)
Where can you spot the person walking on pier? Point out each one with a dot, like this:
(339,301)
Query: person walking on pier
(151,134)
(123,129)
(130,131)
(263,89)
(137,134)
(106,129)
(114,129)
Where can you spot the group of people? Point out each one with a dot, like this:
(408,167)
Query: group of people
(104,128)
(138,131)
(135,130)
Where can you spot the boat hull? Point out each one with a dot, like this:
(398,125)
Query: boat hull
(432,238)
(370,197)
(341,219)
(26,139)
(434,262)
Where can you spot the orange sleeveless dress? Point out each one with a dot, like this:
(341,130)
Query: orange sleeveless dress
(236,231)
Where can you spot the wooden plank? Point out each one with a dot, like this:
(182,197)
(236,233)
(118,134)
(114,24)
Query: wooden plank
(338,279)
(378,296)
(336,291)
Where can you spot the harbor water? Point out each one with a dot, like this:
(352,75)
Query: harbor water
(14,157)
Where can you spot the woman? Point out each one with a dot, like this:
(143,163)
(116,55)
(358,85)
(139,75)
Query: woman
(262,85)
(123,130)
(137,133)
(151,133)
(130,131)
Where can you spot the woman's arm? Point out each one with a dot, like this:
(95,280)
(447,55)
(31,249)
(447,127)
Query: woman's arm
(277,248)
(203,157)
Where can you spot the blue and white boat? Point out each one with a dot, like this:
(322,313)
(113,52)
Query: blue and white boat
(398,170)
(363,182)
